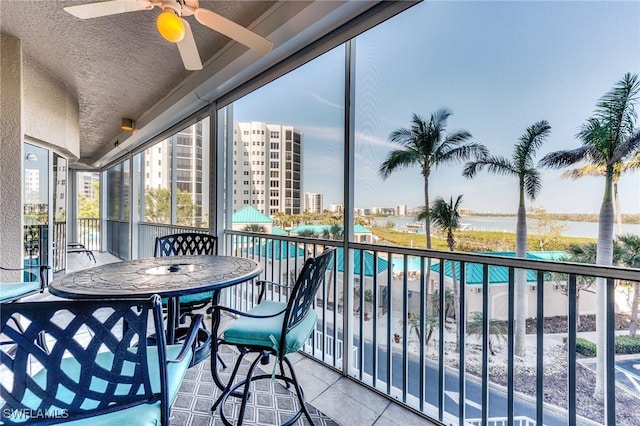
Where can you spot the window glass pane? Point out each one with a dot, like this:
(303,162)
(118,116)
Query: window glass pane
(174,178)
(118,191)
(288,146)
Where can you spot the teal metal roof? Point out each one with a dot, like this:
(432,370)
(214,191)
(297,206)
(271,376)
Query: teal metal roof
(249,214)
(277,231)
(277,250)
(382,264)
(319,229)
(497,274)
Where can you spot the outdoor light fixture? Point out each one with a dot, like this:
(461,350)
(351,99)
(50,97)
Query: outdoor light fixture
(127,124)
(31,157)
(170,26)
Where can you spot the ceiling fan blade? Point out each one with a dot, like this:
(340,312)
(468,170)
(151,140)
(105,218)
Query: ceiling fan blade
(188,49)
(104,8)
(234,31)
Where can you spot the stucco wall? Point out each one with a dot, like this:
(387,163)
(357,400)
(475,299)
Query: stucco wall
(34,107)
(10,155)
(51,113)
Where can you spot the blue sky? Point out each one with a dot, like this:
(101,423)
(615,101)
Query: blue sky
(498,66)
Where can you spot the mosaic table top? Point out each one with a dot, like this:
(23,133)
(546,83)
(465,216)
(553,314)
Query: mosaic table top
(166,276)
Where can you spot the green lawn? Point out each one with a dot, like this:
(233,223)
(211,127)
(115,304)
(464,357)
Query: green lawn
(477,241)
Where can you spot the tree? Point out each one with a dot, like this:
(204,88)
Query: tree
(333,232)
(547,231)
(496,328)
(307,233)
(630,245)
(585,253)
(430,323)
(158,207)
(254,227)
(600,170)
(427,145)
(608,137)
(522,166)
(446,217)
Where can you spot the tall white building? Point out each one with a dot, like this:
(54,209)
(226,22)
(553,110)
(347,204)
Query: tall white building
(402,210)
(313,202)
(87,184)
(267,167)
(191,148)
(32,186)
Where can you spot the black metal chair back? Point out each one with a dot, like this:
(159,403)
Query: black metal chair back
(304,292)
(186,243)
(78,380)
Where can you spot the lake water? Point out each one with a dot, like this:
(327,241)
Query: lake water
(508,224)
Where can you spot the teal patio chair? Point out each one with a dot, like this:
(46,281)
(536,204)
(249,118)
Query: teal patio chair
(273,328)
(16,290)
(99,368)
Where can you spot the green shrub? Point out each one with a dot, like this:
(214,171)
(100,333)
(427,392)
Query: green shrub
(627,345)
(624,345)
(585,347)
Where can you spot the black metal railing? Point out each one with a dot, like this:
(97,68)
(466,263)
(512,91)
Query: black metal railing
(147,233)
(394,307)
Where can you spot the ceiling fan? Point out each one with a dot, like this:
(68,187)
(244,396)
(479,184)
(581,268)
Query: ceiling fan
(173,27)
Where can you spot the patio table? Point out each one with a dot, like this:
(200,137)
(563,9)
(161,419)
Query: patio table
(169,277)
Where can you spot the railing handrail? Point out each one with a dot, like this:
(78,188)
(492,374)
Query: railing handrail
(557,266)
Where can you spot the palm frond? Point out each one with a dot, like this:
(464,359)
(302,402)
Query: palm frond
(586,170)
(401,136)
(529,143)
(398,159)
(616,111)
(458,154)
(630,244)
(445,215)
(532,183)
(494,164)
(559,159)
(626,148)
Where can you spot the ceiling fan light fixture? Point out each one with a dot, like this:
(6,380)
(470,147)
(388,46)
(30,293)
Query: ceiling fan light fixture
(170,26)
(127,124)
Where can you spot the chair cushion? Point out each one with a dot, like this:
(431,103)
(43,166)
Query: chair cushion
(16,290)
(266,332)
(143,414)
(197,298)
(193,298)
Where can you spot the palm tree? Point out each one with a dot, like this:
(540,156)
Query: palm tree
(600,170)
(522,166)
(497,328)
(446,217)
(427,145)
(630,245)
(607,137)
(333,232)
(254,227)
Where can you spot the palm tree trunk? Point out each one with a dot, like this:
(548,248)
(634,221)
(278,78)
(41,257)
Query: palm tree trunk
(427,209)
(618,212)
(456,303)
(427,229)
(604,256)
(634,310)
(521,278)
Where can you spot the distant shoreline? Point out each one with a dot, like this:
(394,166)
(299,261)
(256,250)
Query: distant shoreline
(573,217)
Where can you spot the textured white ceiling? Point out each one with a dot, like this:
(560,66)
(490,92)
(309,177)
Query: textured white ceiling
(117,66)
